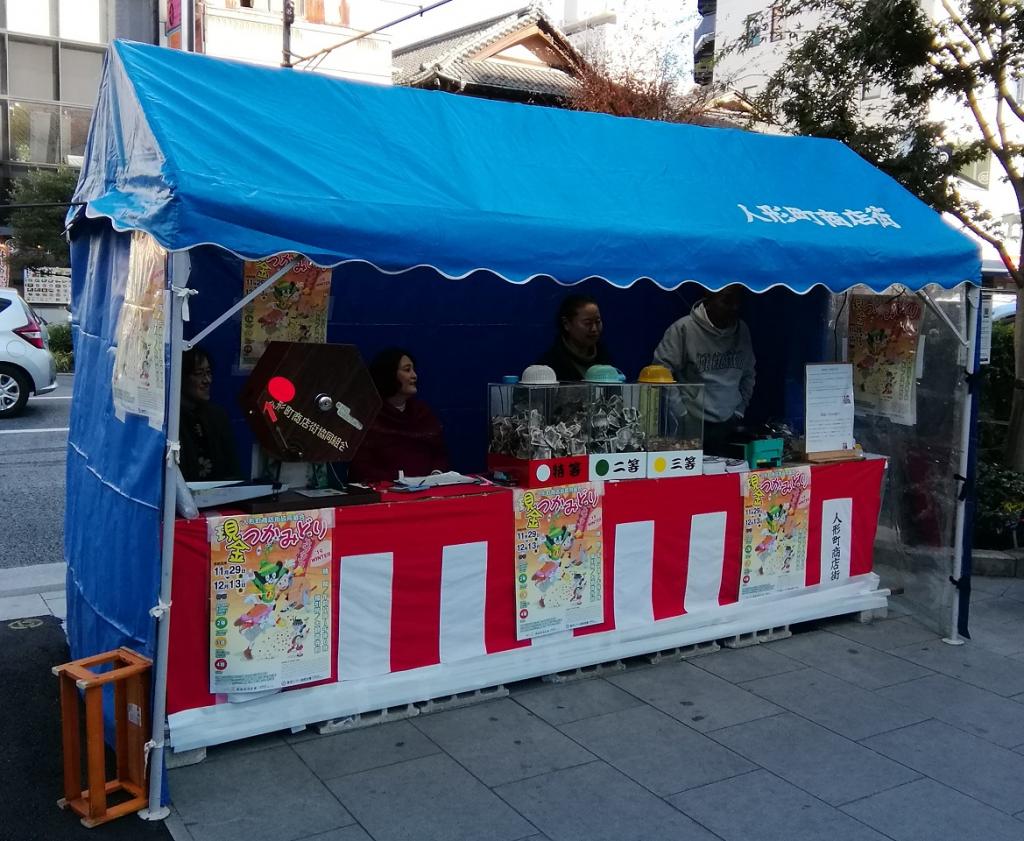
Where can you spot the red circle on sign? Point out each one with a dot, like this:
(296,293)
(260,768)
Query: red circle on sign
(523,614)
(220,665)
(281,388)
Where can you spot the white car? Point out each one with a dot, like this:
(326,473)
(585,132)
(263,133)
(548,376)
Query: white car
(26,364)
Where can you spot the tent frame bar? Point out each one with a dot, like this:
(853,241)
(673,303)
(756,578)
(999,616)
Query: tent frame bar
(180,267)
(259,290)
(925,296)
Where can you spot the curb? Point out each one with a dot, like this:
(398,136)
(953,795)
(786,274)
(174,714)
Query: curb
(32,580)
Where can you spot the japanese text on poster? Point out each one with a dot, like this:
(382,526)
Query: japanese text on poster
(776,506)
(138,380)
(48,285)
(271,586)
(559,559)
(294,309)
(883,349)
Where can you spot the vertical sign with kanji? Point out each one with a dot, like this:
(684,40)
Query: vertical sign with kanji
(836,528)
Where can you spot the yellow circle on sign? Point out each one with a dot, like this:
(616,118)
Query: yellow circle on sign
(660,464)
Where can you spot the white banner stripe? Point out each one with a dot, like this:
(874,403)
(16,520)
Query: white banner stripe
(463,600)
(634,574)
(364,616)
(705,562)
(836,528)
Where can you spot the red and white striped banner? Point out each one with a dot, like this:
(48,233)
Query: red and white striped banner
(431,582)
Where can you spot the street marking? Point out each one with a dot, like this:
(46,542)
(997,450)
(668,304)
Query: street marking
(51,397)
(23,431)
(24,624)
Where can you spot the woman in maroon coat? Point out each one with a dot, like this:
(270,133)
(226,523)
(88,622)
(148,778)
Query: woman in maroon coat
(406,435)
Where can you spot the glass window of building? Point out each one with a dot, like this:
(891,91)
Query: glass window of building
(32,17)
(83,20)
(73,133)
(35,133)
(31,70)
(80,75)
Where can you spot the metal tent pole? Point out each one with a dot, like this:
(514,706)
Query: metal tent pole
(973,300)
(180,264)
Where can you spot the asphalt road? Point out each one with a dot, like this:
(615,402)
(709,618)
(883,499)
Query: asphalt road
(32,457)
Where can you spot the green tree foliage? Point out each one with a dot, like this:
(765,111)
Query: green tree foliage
(971,54)
(39,231)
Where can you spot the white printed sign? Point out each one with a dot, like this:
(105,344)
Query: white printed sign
(836,527)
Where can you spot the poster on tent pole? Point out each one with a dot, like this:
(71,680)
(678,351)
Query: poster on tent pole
(294,309)
(776,515)
(883,346)
(559,559)
(139,359)
(271,587)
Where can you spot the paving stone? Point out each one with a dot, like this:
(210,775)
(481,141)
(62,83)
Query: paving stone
(348,833)
(1005,638)
(968,763)
(848,660)
(737,665)
(695,697)
(253,744)
(978,711)
(1014,589)
(267,795)
(925,810)
(815,759)
(833,703)
(58,605)
(884,636)
(993,585)
(762,806)
(656,750)
(428,799)
(595,802)
(361,750)
(998,610)
(22,607)
(500,741)
(975,666)
(567,702)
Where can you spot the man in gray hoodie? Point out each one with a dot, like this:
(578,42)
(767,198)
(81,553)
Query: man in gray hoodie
(712,346)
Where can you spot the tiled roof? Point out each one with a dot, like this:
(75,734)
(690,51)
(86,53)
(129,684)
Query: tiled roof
(449,56)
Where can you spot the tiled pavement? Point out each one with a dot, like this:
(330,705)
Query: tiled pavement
(849,733)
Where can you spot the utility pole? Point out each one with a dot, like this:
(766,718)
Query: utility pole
(287,19)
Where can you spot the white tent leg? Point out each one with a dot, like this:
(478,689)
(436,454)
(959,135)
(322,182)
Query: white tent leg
(973,298)
(180,264)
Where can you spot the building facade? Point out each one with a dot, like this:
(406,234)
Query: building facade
(252,31)
(51,58)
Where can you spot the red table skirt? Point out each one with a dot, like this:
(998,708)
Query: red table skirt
(429,580)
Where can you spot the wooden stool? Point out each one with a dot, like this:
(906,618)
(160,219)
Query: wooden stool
(129,672)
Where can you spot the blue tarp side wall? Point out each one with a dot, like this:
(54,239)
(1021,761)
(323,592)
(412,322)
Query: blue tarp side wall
(466,333)
(114,468)
(260,160)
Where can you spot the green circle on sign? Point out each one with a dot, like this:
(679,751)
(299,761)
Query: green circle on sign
(602,468)
(221,623)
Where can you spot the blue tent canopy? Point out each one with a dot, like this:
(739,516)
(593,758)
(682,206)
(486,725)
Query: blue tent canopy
(260,161)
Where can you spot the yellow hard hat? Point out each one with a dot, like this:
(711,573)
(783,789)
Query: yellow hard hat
(656,374)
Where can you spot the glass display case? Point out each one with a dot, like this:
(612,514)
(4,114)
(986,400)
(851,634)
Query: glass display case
(672,424)
(616,431)
(538,433)
(560,433)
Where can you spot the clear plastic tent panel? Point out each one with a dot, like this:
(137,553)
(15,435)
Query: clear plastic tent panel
(915,547)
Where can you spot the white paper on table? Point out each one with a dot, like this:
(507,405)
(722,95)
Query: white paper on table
(436,480)
(829,405)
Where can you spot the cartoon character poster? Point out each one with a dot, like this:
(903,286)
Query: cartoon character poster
(271,587)
(559,559)
(294,309)
(776,511)
(138,378)
(883,340)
